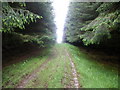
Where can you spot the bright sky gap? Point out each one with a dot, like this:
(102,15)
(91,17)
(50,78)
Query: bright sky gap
(60,10)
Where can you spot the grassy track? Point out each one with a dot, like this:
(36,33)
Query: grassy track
(53,75)
(57,72)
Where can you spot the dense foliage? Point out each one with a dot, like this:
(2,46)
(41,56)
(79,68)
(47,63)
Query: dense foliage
(92,23)
(16,16)
(35,18)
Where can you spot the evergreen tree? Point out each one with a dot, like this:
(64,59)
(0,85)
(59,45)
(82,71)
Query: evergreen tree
(92,22)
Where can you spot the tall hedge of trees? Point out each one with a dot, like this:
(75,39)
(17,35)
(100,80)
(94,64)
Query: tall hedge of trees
(93,22)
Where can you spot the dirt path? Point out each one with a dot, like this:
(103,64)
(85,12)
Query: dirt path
(74,72)
(32,75)
(70,79)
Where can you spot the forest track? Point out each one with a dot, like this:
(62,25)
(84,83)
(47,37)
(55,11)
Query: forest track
(61,68)
(32,75)
(74,80)
(60,57)
(74,83)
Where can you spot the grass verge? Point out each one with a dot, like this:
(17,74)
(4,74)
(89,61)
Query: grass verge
(92,73)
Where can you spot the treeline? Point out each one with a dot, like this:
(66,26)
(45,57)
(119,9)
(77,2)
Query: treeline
(93,23)
(27,24)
